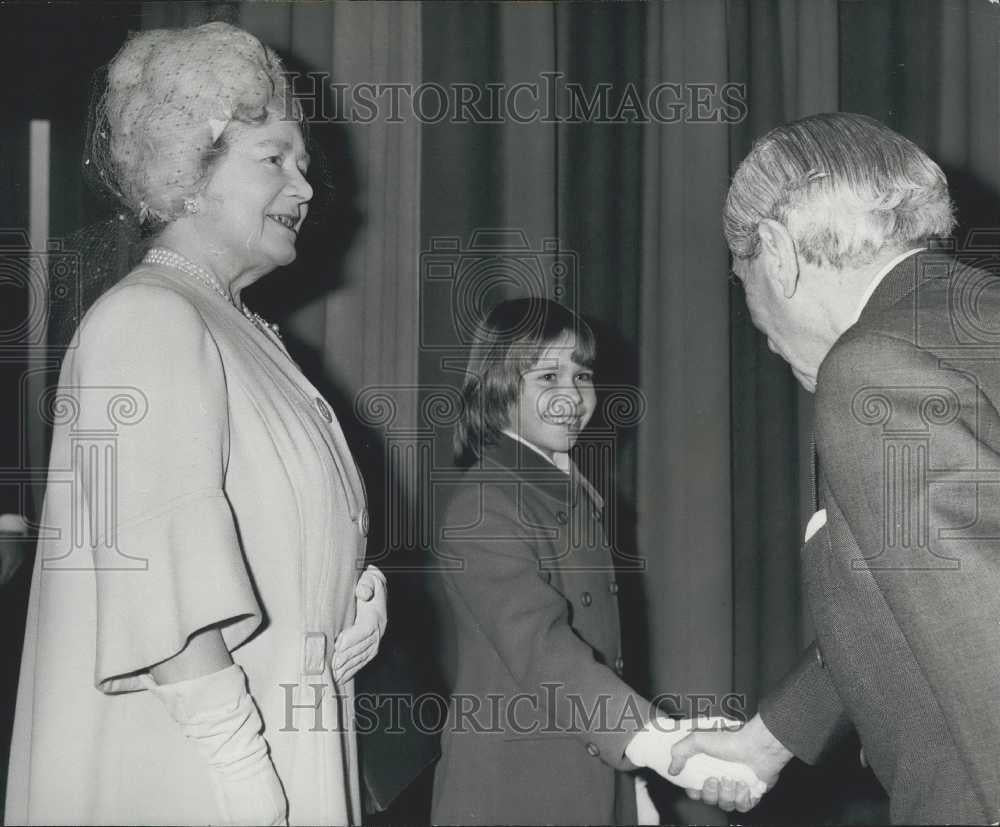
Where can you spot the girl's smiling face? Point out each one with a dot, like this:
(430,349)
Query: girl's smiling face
(556,399)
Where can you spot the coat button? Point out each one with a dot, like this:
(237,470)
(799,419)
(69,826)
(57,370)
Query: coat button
(364,522)
(324,409)
(586,599)
(619,665)
(613,587)
(593,751)
(561,517)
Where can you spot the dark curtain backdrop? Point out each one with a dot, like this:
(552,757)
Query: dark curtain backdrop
(712,478)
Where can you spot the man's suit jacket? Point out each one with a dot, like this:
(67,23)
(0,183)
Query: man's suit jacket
(903,582)
(531,627)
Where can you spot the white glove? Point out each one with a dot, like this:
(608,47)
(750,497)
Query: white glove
(218,715)
(356,645)
(651,748)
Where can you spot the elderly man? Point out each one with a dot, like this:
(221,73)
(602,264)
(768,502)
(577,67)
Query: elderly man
(828,221)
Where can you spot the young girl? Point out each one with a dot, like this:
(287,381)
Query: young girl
(540,720)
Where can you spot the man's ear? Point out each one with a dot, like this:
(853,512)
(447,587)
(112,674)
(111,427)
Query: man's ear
(776,243)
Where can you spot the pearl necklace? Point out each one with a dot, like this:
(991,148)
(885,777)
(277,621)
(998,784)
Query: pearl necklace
(168,258)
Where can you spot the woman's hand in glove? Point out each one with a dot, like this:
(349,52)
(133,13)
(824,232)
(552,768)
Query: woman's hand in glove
(356,645)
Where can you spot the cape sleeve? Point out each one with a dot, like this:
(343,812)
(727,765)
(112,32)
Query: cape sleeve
(169,563)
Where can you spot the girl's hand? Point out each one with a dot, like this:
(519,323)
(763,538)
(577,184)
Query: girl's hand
(356,645)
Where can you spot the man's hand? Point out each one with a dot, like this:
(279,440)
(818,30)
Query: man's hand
(753,745)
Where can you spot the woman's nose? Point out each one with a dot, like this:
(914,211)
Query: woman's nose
(301,186)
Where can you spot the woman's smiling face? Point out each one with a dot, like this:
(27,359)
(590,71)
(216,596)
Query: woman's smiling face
(257,197)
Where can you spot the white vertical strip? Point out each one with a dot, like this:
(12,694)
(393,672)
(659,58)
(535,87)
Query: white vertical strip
(38,291)
(38,215)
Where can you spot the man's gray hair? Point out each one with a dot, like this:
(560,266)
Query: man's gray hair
(845,186)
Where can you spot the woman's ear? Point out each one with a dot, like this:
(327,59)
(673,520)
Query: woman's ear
(782,258)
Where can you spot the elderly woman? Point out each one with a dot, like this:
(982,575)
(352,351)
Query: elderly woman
(196,614)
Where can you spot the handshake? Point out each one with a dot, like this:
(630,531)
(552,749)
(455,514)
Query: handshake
(716,760)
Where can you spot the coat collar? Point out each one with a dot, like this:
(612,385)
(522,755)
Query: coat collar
(903,280)
(522,460)
(518,457)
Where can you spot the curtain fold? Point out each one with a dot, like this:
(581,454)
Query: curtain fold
(684,468)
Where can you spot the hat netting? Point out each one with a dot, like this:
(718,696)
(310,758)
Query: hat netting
(169,96)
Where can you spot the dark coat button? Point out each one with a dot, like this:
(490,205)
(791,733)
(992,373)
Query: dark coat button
(561,517)
(593,751)
(586,599)
(613,587)
(324,409)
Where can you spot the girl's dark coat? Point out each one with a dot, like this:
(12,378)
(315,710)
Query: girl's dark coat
(539,718)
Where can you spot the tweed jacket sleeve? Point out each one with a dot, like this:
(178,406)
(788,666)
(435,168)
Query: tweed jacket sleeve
(911,450)
(804,712)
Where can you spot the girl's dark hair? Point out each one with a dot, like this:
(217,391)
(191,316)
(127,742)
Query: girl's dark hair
(507,343)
